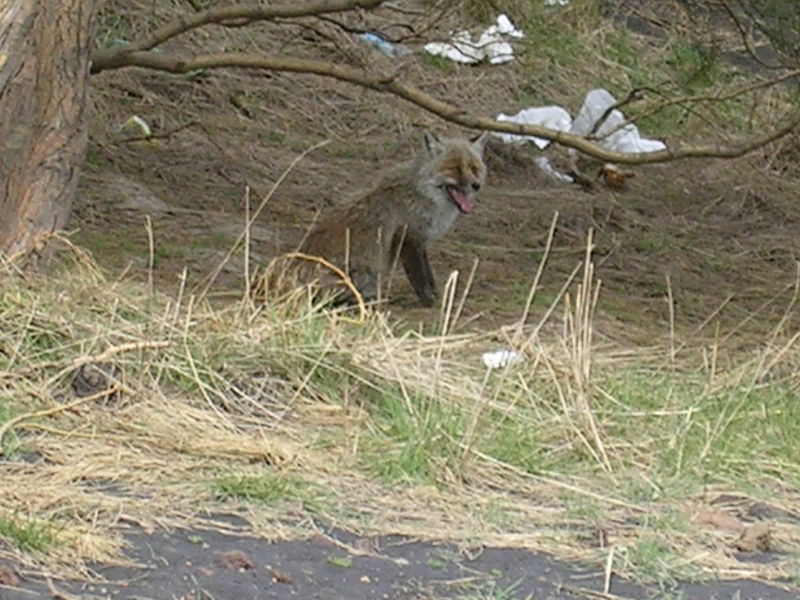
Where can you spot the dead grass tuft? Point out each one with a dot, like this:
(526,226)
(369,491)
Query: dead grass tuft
(370,430)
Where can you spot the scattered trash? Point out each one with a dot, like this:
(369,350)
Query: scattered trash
(491,45)
(506,27)
(136,126)
(236,560)
(556,2)
(553,117)
(755,538)
(611,133)
(501,358)
(388,48)
(613,176)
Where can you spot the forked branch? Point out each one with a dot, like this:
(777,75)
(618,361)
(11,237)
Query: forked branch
(232,14)
(390,85)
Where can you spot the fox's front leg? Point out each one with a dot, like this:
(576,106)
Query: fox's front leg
(415,263)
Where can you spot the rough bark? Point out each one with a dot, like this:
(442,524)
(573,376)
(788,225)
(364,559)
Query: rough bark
(44,71)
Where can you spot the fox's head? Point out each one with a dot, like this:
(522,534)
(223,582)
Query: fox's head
(451,170)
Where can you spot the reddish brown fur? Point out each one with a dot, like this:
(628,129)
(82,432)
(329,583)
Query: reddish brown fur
(398,219)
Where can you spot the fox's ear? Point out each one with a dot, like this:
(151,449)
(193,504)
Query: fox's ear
(479,142)
(431,142)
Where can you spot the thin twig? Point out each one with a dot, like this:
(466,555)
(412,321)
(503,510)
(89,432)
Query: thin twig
(345,278)
(10,424)
(212,277)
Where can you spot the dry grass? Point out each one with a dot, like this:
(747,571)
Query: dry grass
(569,452)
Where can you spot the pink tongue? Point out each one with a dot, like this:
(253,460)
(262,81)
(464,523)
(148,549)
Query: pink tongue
(460,198)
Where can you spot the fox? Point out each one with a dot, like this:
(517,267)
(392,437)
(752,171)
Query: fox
(411,207)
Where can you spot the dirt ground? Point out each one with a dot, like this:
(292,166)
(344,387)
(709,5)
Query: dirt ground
(689,249)
(207,564)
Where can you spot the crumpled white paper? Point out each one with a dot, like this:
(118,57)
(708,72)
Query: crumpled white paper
(491,45)
(623,139)
(501,358)
(553,117)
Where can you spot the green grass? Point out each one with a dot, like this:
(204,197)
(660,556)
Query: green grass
(697,66)
(11,443)
(267,487)
(735,432)
(413,439)
(514,441)
(691,436)
(392,418)
(343,562)
(654,561)
(492,591)
(28,535)
(439,62)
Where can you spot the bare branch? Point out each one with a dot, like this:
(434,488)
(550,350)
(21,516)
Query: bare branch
(194,5)
(454,114)
(684,101)
(221,16)
(360,30)
(743,35)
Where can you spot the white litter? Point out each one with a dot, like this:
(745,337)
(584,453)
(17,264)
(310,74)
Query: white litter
(136,126)
(611,133)
(544,164)
(501,358)
(556,2)
(552,117)
(506,27)
(491,45)
(388,48)
(624,138)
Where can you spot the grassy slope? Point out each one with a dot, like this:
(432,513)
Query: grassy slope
(633,420)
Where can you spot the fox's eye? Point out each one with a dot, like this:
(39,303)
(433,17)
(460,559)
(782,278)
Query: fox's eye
(476,186)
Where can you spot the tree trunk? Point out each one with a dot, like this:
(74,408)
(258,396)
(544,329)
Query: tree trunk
(44,72)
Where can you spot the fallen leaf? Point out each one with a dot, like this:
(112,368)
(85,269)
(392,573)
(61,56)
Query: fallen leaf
(719,520)
(322,539)
(343,562)
(613,176)
(757,536)
(280,576)
(235,560)
(8,577)
(367,545)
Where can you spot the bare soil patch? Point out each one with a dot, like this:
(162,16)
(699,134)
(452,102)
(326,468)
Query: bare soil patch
(208,564)
(714,236)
